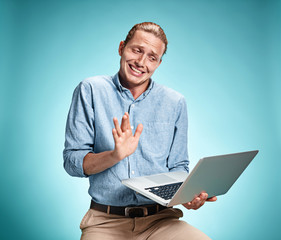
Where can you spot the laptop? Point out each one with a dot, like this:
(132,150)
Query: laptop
(214,175)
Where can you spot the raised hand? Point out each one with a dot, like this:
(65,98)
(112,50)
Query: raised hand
(125,142)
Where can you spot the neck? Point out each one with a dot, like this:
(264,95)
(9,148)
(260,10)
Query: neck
(136,90)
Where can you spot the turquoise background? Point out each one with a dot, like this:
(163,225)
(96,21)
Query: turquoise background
(224,56)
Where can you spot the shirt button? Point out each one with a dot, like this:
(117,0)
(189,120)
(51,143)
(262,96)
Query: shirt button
(133,105)
(132,127)
(133,172)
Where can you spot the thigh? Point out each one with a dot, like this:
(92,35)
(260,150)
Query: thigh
(177,230)
(169,227)
(99,225)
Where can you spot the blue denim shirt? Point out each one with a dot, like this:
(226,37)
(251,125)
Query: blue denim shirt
(162,146)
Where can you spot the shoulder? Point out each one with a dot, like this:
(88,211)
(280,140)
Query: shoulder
(97,81)
(168,94)
(95,84)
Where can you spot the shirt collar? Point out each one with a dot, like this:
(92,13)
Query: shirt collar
(120,88)
(117,83)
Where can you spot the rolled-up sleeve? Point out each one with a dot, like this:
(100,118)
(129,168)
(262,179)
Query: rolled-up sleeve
(178,157)
(79,132)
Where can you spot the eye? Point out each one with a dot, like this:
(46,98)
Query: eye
(136,50)
(152,58)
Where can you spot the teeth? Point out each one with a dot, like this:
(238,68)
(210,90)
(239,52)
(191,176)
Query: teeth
(136,70)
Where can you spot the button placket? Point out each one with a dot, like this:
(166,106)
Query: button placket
(131,116)
(130,111)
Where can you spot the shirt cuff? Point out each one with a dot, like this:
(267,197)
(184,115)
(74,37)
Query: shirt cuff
(73,162)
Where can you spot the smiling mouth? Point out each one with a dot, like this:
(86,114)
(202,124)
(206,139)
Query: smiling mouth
(136,70)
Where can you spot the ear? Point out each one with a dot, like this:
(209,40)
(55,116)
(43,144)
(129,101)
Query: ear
(121,48)
(159,62)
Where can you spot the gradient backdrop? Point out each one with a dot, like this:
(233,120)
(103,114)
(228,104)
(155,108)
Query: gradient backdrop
(223,56)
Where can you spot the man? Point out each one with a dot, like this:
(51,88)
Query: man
(152,138)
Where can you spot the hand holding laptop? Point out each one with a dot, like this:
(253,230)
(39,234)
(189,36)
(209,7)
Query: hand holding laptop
(199,201)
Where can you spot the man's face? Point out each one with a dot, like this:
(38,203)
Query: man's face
(140,58)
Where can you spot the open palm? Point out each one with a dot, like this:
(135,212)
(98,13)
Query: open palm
(125,142)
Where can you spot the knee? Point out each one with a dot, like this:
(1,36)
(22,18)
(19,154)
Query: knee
(187,231)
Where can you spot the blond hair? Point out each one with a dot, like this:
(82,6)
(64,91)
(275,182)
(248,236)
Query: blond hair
(150,27)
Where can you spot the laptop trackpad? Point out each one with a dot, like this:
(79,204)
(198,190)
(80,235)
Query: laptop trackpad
(160,179)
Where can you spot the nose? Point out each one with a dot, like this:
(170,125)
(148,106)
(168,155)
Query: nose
(140,61)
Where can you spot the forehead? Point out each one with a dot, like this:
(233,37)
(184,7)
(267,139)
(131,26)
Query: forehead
(148,41)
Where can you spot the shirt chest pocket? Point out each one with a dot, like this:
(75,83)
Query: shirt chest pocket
(156,139)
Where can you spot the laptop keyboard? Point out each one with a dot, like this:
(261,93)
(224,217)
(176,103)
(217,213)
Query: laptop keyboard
(166,191)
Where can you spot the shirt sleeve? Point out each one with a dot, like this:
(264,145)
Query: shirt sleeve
(178,157)
(79,132)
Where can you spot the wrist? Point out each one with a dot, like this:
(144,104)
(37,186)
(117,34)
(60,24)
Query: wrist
(115,156)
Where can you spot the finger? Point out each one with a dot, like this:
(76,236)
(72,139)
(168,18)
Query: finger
(204,196)
(115,135)
(124,123)
(128,125)
(198,202)
(212,199)
(138,131)
(187,205)
(117,127)
(194,204)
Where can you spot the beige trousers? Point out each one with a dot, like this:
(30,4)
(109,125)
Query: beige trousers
(164,225)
